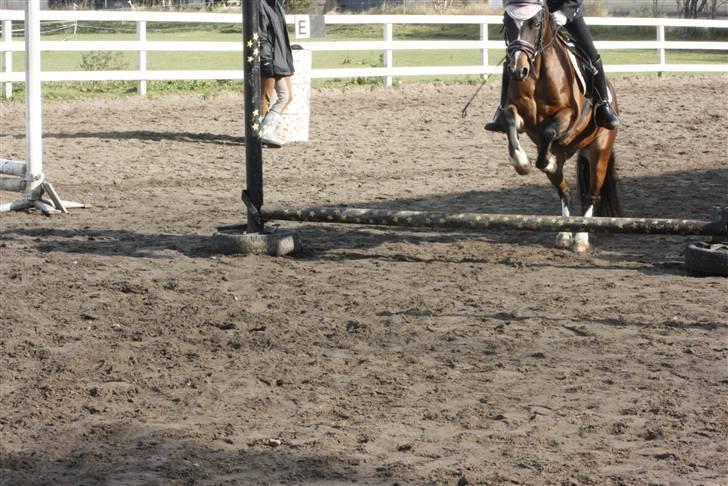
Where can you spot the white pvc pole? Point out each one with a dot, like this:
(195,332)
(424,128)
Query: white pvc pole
(16,168)
(11,184)
(33,180)
(33,103)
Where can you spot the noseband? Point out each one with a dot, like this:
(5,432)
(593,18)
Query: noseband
(530,50)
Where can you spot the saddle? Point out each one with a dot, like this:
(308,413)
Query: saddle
(581,63)
(585,70)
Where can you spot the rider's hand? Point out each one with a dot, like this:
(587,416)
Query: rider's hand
(559,18)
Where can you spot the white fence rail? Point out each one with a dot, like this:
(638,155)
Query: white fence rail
(142,46)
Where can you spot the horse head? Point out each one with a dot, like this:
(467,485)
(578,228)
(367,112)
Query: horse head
(527,29)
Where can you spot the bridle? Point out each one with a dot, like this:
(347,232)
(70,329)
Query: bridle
(532,51)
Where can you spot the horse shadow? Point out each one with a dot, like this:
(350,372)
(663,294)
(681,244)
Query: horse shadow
(661,196)
(111,242)
(651,197)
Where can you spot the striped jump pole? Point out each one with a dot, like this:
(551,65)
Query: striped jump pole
(27,176)
(718,226)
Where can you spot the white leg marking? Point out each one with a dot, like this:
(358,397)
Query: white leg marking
(519,160)
(581,240)
(564,239)
(551,167)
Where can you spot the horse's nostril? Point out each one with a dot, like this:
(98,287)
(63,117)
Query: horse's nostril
(524,72)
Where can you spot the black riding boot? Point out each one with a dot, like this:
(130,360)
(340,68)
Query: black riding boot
(498,124)
(605,116)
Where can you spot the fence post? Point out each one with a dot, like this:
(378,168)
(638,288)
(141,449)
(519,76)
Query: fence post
(660,49)
(484,52)
(8,56)
(388,36)
(142,57)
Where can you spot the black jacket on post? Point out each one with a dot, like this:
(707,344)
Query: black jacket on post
(276,59)
(571,8)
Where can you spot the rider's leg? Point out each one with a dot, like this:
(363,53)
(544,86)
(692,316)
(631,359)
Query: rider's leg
(605,116)
(498,124)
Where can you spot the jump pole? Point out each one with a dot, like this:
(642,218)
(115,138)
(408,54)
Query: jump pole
(717,226)
(27,176)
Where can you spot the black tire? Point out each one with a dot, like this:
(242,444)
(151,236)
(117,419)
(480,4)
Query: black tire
(707,258)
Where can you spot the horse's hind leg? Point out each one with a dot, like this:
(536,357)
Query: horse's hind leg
(592,166)
(563,239)
(581,239)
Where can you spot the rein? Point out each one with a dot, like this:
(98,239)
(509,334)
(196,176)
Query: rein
(464,113)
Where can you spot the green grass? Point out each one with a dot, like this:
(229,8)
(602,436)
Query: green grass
(73,61)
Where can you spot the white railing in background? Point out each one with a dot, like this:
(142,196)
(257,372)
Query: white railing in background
(142,46)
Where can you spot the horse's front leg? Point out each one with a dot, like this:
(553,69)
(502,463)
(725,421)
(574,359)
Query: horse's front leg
(519,158)
(549,131)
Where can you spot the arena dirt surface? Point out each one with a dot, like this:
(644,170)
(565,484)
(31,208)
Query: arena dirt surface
(131,354)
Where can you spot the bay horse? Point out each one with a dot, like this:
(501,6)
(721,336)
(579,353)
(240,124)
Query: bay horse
(547,103)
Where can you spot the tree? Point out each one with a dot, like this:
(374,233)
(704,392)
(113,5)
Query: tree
(714,6)
(293,6)
(692,9)
(689,9)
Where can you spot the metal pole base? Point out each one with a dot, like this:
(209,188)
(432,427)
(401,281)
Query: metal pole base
(54,205)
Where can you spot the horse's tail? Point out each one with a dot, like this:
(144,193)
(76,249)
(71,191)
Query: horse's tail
(610,203)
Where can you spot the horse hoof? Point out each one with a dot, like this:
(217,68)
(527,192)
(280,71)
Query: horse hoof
(564,240)
(522,169)
(581,246)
